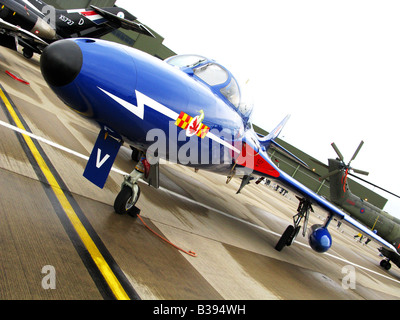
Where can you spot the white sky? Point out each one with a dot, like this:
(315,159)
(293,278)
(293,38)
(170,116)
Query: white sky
(333,65)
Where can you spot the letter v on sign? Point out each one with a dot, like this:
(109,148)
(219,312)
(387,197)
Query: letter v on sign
(102,158)
(99,161)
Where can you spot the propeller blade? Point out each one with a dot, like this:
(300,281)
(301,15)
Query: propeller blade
(360,171)
(357,151)
(374,185)
(337,151)
(330,174)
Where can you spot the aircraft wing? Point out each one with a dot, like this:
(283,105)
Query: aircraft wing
(299,188)
(18,31)
(124,23)
(292,184)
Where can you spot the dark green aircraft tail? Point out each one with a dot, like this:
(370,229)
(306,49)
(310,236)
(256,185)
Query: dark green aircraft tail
(339,188)
(338,173)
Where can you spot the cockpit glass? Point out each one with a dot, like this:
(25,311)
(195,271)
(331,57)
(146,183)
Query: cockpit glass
(232,92)
(246,104)
(185,60)
(212,74)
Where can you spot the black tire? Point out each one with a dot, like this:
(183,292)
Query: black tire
(293,236)
(135,155)
(285,238)
(123,202)
(386,265)
(28,53)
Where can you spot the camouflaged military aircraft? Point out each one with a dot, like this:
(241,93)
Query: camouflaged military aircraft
(382,223)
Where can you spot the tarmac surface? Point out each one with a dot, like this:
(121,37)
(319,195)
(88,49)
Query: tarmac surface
(60,237)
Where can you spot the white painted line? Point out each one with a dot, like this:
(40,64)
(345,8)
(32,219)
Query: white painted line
(51,143)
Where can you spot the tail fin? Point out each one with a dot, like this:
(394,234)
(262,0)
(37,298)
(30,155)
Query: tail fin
(269,142)
(275,133)
(123,19)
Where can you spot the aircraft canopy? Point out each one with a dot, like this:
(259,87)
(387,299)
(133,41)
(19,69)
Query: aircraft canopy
(211,73)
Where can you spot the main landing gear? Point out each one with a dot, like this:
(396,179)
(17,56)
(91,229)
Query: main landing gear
(390,256)
(126,200)
(386,264)
(28,53)
(291,232)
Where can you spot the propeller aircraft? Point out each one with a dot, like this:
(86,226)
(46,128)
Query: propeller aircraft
(187,109)
(33,24)
(385,225)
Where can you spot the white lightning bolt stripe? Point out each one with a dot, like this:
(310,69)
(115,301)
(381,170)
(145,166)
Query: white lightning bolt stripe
(143,100)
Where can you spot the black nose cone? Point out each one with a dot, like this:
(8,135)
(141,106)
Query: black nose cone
(61,63)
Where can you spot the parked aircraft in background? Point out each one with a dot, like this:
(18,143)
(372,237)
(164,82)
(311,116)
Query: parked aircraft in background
(33,24)
(379,221)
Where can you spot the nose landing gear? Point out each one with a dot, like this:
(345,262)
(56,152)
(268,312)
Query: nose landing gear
(126,200)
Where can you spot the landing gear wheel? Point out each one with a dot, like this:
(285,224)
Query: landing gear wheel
(293,236)
(286,238)
(385,264)
(126,200)
(28,53)
(135,155)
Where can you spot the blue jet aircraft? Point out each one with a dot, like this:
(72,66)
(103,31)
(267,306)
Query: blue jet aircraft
(187,109)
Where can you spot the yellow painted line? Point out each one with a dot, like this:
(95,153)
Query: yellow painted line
(94,252)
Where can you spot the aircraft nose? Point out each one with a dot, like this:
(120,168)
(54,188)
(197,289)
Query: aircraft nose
(61,63)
